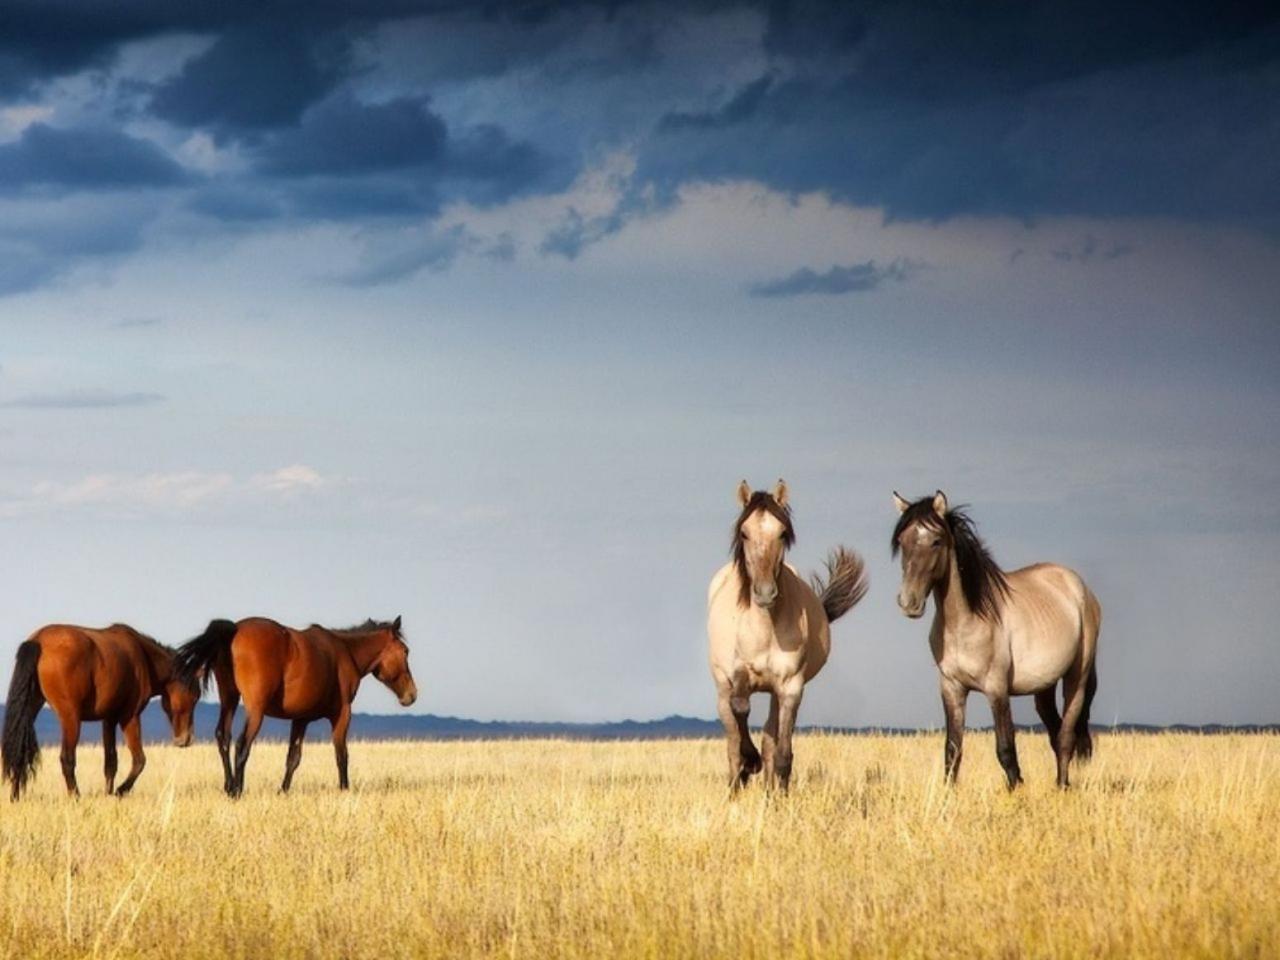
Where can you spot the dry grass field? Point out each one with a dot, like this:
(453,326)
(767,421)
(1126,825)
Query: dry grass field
(1168,846)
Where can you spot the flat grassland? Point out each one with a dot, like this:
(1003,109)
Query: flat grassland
(1169,845)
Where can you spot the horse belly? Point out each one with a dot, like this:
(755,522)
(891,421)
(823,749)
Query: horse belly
(1038,666)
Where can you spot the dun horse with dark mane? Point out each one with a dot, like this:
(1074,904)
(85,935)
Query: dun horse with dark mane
(1005,634)
(298,675)
(770,631)
(85,675)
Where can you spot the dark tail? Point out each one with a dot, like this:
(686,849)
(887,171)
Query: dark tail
(844,585)
(193,663)
(19,748)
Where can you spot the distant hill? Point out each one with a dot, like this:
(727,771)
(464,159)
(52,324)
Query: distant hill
(409,726)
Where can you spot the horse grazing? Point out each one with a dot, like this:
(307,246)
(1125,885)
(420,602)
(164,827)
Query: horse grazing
(770,632)
(1006,634)
(86,675)
(298,675)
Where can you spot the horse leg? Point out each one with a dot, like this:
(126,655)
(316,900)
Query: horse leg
(1084,738)
(133,740)
(110,760)
(788,706)
(1047,707)
(1073,691)
(70,739)
(1006,748)
(769,739)
(252,724)
(954,697)
(297,733)
(229,699)
(340,726)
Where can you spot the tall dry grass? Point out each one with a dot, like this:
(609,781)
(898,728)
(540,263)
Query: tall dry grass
(1168,846)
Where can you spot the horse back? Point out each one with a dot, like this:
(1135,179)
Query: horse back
(293,674)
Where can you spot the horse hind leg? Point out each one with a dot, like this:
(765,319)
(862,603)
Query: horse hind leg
(1084,738)
(1047,708)
(133,740)
(70,740)
(1073,697)
(110,760)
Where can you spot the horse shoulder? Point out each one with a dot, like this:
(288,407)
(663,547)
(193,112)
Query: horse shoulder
(721,578)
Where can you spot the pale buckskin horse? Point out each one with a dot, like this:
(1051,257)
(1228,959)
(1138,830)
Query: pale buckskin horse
(86,675)
(298,675)
(770,632)
(1003,633)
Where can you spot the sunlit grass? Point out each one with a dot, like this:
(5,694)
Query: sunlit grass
(1168,846)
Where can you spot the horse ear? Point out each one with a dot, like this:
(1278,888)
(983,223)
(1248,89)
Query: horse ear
(780,492)
(744,493)
(395,624)
(940,503)
(901,504)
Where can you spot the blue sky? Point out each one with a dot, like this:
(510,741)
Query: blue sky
(478,315)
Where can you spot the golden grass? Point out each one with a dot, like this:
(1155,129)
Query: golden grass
(1168,846)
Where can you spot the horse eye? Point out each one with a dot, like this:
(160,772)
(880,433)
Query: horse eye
(938,542)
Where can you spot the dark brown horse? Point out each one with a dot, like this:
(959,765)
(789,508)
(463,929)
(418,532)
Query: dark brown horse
(83,674)
(298,675)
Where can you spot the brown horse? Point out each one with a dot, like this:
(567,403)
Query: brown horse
(298,675)
(108,675)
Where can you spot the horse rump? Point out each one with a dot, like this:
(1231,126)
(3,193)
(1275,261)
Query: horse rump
(843,586)
(193,663)
(19,748)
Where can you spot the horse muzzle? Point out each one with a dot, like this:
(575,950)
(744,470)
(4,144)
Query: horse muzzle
(184,740)
(765,597)
(911,607)
(409,697)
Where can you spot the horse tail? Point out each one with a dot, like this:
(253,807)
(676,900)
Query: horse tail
(193,663)
(843,586)
(19,747)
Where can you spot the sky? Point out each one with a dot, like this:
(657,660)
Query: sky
(478,314)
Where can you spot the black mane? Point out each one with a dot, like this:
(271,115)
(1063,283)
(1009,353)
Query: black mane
(982,581)
(369,626)
(760,500)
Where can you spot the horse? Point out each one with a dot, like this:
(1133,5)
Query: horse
(87,675)
(769,631)
(1004,633)
(298,675)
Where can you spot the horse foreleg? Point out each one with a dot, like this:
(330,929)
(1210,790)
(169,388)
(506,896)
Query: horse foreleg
(1006,748)
(297,733)
(110,761)
(133,740)
(252,724)
(70,740)
(769,739)
(788,708)
(954,697)
(1047,707)
(340,726)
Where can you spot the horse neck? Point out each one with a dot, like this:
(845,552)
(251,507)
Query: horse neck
(364,648)
(953,609)
(161,662)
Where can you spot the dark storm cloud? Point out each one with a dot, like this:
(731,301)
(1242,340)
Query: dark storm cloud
(345,136)
(939,110)
(855,278)
(336,110)
(84,160)
(254,78)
